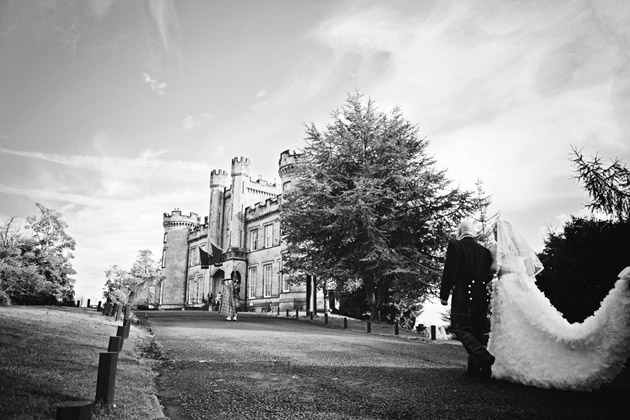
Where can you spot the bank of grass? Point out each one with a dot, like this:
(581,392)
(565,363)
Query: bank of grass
(49,355)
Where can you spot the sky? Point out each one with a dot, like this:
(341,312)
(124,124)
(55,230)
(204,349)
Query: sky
(114,112)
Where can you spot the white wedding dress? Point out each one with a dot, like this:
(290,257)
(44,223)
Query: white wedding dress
(532,342)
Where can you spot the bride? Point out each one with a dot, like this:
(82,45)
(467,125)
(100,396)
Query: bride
(532,342)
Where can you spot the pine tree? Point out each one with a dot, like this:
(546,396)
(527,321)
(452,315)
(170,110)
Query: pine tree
(370,210)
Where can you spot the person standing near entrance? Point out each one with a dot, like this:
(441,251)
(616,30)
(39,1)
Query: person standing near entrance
(467,271)
(228,303)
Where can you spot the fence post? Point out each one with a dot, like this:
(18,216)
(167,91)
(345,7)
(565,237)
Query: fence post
(127,312)
(98,307)
(297,313)
(326,318)
(120,332)
(287,313)
(106,380)
(345,323)
(118,312)
(369,326)
(78,303)
(75,410)
(126,326)
(88,303)
(115,344)
(433,332)
(396,328)
(311,315)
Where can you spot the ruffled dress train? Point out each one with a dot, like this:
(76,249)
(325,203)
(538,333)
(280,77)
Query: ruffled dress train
(534,345)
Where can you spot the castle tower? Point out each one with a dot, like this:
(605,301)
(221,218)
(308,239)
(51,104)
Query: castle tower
(175,257)
(240,174)
(287,168)
(218,181)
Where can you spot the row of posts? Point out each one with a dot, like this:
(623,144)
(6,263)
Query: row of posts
(107,363)
(369,324)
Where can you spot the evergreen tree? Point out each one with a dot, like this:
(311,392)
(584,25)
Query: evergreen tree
(370,209)
(582,263)
(608,187)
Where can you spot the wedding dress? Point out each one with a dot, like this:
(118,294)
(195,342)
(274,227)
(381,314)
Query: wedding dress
(532,342)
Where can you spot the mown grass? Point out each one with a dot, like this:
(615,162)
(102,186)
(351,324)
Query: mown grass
(49,355)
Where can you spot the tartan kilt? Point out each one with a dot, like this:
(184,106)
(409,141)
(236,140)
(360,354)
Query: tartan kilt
(469,309)
(228,307)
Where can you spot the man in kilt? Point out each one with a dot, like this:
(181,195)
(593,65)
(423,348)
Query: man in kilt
(467,271)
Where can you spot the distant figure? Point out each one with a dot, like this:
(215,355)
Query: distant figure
(228,303)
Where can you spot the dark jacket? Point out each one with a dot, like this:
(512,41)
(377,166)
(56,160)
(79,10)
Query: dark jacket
(466,274)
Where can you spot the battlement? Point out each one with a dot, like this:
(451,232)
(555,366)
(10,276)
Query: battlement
(218,178)
(289,159)
(262,208)
(176,218)
(240,166)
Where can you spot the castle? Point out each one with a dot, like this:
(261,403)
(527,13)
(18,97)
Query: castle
(244,222)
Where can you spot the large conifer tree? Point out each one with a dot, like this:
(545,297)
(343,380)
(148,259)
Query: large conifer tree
(370,210)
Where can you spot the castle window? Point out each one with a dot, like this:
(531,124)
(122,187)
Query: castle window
(253,239)
(286,287)
(268,236)
(164,258)
(193,257)
(251,284)
(267,280)
(165,236)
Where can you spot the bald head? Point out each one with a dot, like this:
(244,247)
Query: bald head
(465,229)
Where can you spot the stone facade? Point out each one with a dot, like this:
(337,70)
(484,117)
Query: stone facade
(244,221)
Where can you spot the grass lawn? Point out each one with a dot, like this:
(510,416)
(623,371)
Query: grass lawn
(49,355)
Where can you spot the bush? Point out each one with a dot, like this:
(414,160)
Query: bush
(5,300)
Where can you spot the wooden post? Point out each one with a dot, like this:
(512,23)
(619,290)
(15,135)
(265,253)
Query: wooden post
(325,318)
(98,307)
(120,332)
(369,326)
(127,313)
(88,303)
(311,315)
(287,313)
(126,326)
(278,308)
(78,303)
(106,380)
(433,332)
(396,328)
(75,410)
(118,312)
(297,313)
(115,344)
(345,323)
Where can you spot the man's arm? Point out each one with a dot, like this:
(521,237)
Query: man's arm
(448,275)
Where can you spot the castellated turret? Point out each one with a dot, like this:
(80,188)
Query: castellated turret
(240,166)
(175,255)
(287,168)
(218,182)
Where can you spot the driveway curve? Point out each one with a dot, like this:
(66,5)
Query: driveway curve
(274,367)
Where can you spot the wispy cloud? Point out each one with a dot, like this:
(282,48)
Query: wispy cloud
(193,122)
(157,87)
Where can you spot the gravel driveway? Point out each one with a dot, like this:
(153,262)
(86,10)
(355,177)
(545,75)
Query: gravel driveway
(268,367)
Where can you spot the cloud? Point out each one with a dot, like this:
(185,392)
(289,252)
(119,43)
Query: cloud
(193,122)
(120,212)
(156,86)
